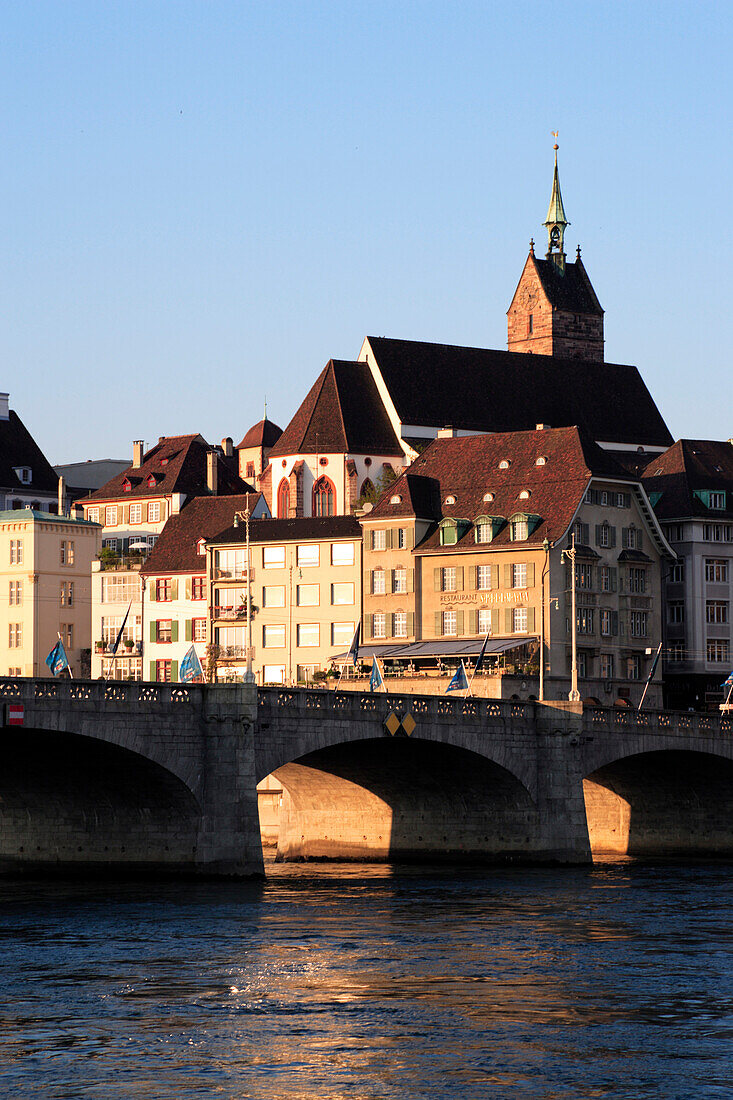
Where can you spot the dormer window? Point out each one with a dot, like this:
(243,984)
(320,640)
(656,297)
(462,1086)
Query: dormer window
(522,524)
(451,530)
(152,481)
(525,494)
(201,546)
(487,527)
(127,485)
(164,461)
(23,473)
(540,461)
(450,499)
(396,499)
(504,464)
(488,497)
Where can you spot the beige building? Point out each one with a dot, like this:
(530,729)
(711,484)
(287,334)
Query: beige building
(45,589)
(306,593)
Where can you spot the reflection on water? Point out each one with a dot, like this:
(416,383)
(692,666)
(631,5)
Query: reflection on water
(371,981)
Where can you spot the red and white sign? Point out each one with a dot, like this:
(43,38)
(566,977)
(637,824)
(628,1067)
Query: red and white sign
(16,714)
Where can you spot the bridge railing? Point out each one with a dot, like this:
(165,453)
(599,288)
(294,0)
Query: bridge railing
(620,719)
(29,691)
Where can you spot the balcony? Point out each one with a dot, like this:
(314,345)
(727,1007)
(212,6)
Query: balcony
(235,573)
(229,652)
(230,613)
(126,648)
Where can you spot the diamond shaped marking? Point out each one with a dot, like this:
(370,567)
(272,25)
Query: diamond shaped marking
(392,723)
(408,724)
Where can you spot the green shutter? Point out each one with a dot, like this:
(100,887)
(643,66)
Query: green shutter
(472,577)
(495,628)
(473,622)
(174,672)
(437,580)
(507,620)
(174,630)
(152,670)
(410,623)
(459,623)
(507,576)
(438,624)
(150,588)
(188,588)
(153,631)
(390,625)
(459,579)
(613,572)
(368,626)
(494,576)
(530,619)
(174,590)
(530,574)
(388,539)
(410,537)
(410,580)
(189,630)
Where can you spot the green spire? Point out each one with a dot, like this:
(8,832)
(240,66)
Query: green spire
(556,221)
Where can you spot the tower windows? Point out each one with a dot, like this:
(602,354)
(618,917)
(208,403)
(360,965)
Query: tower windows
(324,497)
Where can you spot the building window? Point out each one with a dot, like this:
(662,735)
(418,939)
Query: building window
(675,532)
(308,635)
(638,624)
(136,513)
(716,611)
(450,623)
(164,630)
(582,533)
(111,544)
(484,532)
(605,535)
(399,580)
(380,624)
(448,579)
(530,324)
(14,671)
(67,553)
(484,620)
(717,501)
(67,593)
(483,577)
(717,532)
(637,580)
(584,576)
(519,575)
(342,593)
(250,472)
(110,515)
(342,633)
(519,620)
(16,551)
(93,515)
(342,553)
(273,557)
(16,593)
(631,538)
(15,635)
(677,651)
(198,588)
(120,587)
(379,540)
(163,671)
(66,630)
(583,663)
(716,570)
(718,650)
(273,636)
(400,624)
(273,595)
(154,511)
(308,595)
(519,530)
(634,667)
(606,620)
(378,582)
(607,666)
(676,611)
(623,500)
(324,497)
(585,620)
(199,630)
(307,556)
(163,589)
(677,572)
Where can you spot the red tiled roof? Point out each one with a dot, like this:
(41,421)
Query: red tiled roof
(176,550)
(178,464)
(263,434)
(342,413)
(290,530)
(691,464)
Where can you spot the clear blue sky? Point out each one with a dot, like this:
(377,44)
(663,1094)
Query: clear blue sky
(201,203)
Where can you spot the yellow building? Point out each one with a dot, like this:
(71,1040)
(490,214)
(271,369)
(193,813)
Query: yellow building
(45,589)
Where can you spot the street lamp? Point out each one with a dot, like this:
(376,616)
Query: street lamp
(249,677)
(569,555)
(546,548)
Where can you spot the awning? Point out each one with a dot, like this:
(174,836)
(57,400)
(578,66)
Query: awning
(438,647)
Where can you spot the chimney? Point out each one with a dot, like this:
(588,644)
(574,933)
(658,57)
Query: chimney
(62,497)
(227,446)
(541,427)
(446,433)
(4,410)
(137,453)
(212,472)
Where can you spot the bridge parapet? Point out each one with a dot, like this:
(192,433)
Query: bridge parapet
(622,720)
(346,704)
(97,691)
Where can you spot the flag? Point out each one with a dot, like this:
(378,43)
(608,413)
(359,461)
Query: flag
(482,654)
(190,667)
(121,631)
(353,654)
(375,680)
(57,660)
(459,681)
(655,662)
(729,682)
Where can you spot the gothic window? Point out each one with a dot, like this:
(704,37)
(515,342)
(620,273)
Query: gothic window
(324,497)
(368,491)
(283,499)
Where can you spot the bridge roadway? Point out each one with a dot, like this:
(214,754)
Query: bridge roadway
(162,778)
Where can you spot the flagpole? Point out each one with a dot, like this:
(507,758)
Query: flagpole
(649,678)
(71,674)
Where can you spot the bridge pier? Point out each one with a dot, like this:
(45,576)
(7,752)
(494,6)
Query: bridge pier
(560,801)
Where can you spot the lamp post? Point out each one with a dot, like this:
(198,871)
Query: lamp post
(569,555)
(249,674)
(546,548)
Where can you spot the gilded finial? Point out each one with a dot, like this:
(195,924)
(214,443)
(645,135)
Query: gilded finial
(555,134)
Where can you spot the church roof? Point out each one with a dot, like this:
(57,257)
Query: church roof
(263,434)
(342,413)
(476,389)
(688,466)
(568,289)
(19,448)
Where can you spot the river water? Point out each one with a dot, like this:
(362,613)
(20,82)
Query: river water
(372,982)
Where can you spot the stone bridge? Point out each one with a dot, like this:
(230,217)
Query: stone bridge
(163,778)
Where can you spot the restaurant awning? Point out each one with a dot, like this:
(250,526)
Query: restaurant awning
(437,647)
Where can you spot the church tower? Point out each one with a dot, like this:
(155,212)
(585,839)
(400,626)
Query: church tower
(554,310)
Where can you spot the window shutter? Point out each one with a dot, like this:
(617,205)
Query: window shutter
(611,536)
(438,624)
(410,580)
(370,540)
(152,671)
(530,574)
(174,589)
(390,625)
(368,626)
(410,537)
(494,576)
(507,576)
(395,537)
(473,622)
(472,577)
(495,628)
(410,623)
(459,579)
(639,540)
(507,620)
(391,581)
(174,672)
(151,591)
(613,576)
(388,539)
(530,619)
(598,534)
(189,630)
(459,623)
(614,623)
(370,584)
(174,630)
(153,631)
(436,580)
(188,588)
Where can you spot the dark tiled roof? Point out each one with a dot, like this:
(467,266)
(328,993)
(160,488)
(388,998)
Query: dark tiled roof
(342,413)
(688,465)
(467,468)
(476,389)
(178,464)
(263,434)
(18,448)
(570,290)
(291,530)
(203,517)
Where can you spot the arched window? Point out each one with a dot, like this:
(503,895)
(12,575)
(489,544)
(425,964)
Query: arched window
(368,492)
(324,497)
(283,499)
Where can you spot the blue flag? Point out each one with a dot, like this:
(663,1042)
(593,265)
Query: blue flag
(353,654)
(459,681)
(375,681)
(190,667)
(121,631)
(57,660)
(729,682)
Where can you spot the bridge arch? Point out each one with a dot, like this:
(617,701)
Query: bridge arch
(661,803)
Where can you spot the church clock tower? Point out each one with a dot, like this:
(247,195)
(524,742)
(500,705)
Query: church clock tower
(555,310)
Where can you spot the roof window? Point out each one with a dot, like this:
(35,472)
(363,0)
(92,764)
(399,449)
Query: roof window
(23,473)
(504,464)
(540,461)
(488,497)
(450,499)
(396,499)
(525,494)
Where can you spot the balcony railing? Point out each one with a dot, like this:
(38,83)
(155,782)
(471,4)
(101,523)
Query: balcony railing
(229,613)
(233,573)
(229,651)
